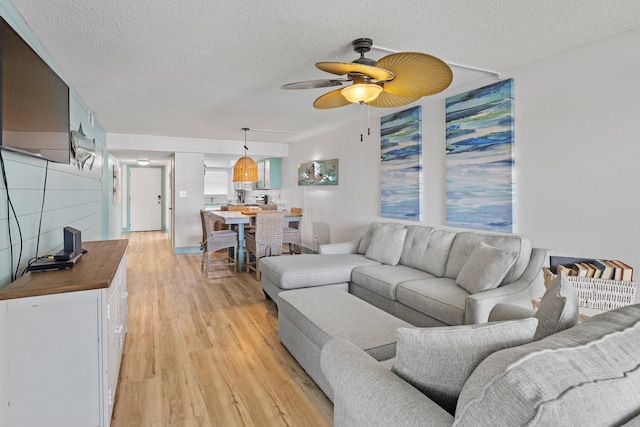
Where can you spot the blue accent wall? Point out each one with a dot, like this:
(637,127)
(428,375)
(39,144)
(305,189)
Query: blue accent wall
(74,196)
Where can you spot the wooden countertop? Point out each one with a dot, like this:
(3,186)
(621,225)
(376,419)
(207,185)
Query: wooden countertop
(94,270)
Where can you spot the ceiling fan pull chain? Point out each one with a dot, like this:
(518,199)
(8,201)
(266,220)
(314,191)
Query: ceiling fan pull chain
(361,123)
(368,120)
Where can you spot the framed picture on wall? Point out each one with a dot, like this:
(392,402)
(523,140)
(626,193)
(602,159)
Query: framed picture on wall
(400,164)
(480,161)
(319,172)
(116,185)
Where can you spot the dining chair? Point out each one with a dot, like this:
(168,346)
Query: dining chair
(265,240)
(291,234)
(268,207)
(213,241)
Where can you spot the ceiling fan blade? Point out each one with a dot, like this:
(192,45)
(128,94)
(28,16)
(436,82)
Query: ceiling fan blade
(389,100)
(341,68)
(333,99)
(417,74)
(313,84)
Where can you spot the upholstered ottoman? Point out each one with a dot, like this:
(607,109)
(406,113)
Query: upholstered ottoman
(308,318)
(302,271)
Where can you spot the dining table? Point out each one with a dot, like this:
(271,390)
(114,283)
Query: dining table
(239,219)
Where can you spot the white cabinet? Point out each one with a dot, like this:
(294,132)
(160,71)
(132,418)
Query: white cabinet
(60,355)
(116,320)
(243,186)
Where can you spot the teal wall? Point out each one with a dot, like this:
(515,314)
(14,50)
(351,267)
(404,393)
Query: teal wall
(73,196)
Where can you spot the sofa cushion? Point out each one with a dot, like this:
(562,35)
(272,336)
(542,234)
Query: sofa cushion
(386,244)
(291,272)
(438,361)
(485,268)
(439,298)
(427,249)
(383,279)
(585,375)
(558,308)
(465,242)
(366,238)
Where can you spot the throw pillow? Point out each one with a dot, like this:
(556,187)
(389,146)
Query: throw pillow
(485,268)
(366,238)
(438,361)
(558,308)
(386,244)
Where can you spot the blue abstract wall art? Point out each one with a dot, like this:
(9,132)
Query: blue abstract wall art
(400,164)
(480,160)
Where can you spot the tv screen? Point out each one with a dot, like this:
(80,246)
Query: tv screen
(35,101)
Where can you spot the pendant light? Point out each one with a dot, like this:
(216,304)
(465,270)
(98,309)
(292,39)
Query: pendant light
(245,169)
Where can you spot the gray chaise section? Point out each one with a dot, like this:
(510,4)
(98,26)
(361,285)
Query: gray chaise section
(309,318)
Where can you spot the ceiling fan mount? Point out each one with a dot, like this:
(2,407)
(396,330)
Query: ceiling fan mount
(362,46)
(392,81)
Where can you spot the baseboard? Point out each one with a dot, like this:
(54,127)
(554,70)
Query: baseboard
(186,250)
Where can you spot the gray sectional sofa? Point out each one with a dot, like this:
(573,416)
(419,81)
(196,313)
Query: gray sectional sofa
(492,361)
(427,276)
(587,375)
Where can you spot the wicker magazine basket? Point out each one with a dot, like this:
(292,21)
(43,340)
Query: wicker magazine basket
(598,293)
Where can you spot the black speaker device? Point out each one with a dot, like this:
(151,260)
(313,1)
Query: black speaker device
(72,245)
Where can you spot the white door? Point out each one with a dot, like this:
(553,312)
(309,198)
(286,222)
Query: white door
(145,199)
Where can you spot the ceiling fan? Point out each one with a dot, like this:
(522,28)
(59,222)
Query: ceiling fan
(394,80)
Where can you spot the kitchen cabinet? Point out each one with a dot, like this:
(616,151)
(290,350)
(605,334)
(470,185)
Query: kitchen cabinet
(243,186)
(61,340)
(269,171)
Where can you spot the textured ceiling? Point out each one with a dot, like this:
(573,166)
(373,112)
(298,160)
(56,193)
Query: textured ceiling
(207,68)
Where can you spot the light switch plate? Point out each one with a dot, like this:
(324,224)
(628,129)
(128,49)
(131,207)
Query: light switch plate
(183,194)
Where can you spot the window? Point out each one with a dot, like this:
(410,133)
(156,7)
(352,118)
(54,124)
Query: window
(216,182)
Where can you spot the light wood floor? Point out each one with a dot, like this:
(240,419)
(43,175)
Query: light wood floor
(204,351)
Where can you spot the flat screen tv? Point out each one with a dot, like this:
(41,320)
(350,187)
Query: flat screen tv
(34,99)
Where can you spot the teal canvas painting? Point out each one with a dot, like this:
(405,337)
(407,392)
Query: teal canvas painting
(400,164)
(480,161)
(320,172)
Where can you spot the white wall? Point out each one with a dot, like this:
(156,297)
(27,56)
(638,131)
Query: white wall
(189,178)
(577,144)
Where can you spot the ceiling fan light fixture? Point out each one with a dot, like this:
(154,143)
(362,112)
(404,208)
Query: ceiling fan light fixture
(361,92)
(394,80)
(245,169)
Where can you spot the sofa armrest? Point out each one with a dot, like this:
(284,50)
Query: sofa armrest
(479,305)
(368,394)
(341,248)
(502,312)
